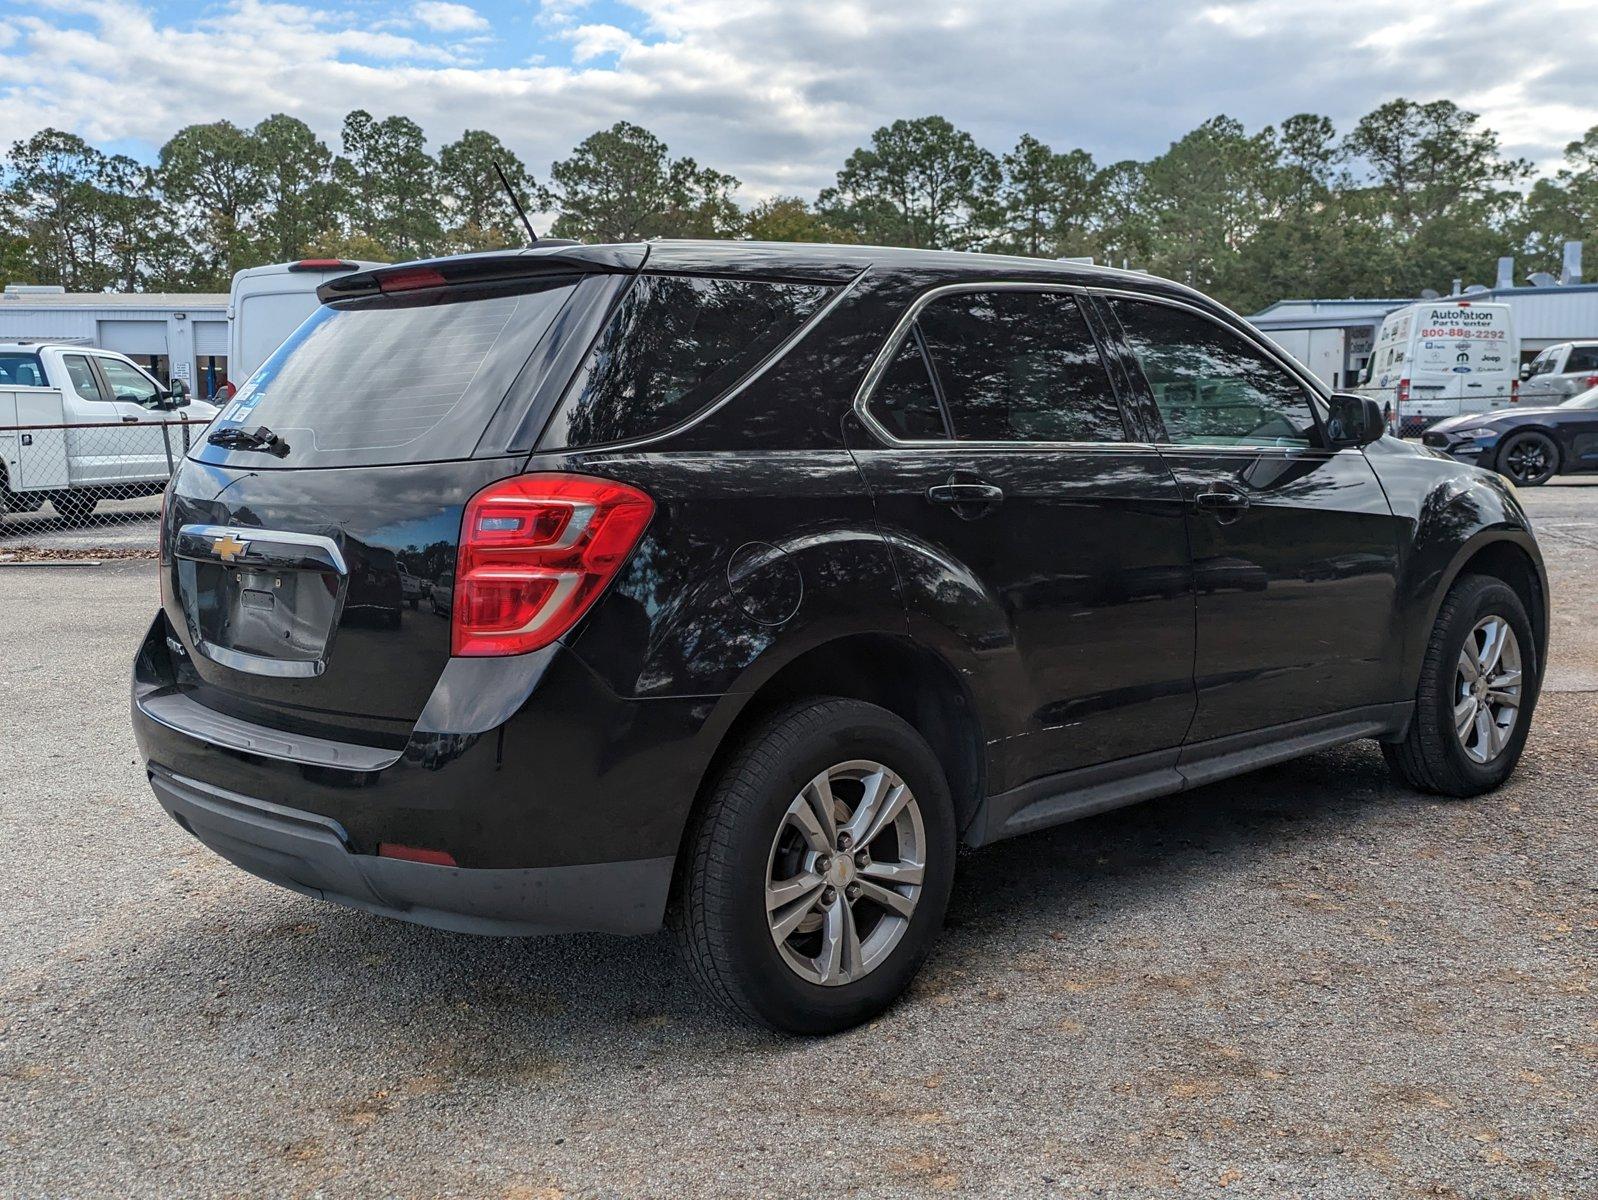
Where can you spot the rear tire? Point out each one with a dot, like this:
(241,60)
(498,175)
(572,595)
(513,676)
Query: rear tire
(74,506)
(855,904)
(1439,756)
(1528,458)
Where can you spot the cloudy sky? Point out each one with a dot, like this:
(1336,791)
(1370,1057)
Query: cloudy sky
(778,91)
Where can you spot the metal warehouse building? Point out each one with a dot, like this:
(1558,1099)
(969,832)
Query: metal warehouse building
(1335,337)
(174,335)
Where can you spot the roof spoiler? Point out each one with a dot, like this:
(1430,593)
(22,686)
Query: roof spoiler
(494,266)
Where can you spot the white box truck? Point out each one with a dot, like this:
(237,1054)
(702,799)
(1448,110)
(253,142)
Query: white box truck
(1443,358)
(79,425)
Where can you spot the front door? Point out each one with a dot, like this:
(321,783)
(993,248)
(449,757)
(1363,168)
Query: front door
(152,438)
(1295,549)
(1023,517)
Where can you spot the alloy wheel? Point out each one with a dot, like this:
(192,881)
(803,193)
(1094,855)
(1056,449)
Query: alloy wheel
(1487,689)
(845,872)
(1527,460)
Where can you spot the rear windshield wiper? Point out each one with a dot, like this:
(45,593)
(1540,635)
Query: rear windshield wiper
(261,438)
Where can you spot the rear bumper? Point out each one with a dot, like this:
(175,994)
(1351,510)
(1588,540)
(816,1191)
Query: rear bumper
(312,854)
(562,803)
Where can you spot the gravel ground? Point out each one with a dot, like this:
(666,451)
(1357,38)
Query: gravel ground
(1305,982)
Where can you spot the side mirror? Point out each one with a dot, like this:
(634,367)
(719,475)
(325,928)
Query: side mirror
(1525,371)
(1354,421)
(178,394)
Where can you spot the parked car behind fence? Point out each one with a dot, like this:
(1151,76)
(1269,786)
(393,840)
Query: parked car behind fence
(80,427)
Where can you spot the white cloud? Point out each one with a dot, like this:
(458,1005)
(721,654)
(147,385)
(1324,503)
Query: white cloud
(443,17)
(779,91)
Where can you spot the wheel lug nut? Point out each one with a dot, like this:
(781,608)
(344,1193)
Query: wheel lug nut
(862,859)
(852,891)
(828,896)
(844,841)
(823,863)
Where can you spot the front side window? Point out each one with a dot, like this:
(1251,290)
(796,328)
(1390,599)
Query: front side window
(1543,363)
(675,345)
(82,375)
(1019,366)
(1211,386)
(126,382)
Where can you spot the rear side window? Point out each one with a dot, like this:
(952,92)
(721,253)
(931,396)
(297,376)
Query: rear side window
(1583,358)
(674,346)
(1211,386)
(21,370)
(82,375)
(1020,366)
(905,401)
(402,379)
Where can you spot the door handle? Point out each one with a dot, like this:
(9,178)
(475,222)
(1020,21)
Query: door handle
(130,420)
(1224,506)
(969,499)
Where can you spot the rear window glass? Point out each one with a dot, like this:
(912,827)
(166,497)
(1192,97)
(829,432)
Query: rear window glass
(674,345)
(21,370)
(394,380)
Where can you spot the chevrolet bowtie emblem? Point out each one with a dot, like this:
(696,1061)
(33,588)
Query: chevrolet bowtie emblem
(228,547)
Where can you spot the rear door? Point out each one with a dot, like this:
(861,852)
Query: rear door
(1000,459)
(1295,550)
(153,439)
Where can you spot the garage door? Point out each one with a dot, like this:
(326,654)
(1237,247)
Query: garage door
(133,337)
(210,337)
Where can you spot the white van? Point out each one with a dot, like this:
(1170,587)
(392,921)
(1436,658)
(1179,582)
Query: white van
(1443,358)
(268,303)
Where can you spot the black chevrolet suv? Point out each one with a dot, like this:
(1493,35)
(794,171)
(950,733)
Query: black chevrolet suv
(760,577)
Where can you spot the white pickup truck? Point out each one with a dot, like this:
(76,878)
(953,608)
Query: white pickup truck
(79,425)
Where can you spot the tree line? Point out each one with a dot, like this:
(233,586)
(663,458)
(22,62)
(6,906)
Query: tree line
(1414,195)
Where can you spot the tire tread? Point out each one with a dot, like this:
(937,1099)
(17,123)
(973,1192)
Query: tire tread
(1425,759)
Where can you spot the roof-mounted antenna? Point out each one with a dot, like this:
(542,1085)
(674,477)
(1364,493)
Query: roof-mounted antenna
(515,203)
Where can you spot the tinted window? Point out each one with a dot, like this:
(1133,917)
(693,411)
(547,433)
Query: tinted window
(1210,385)
(406,378)
(1583,358)
(676,344)
(21,370)
(82,376)
(1018,366)
(905,402)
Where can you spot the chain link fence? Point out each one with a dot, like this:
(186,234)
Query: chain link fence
(88,485)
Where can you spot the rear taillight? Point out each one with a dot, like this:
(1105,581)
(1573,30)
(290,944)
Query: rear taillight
(535,552)
(1514,391)
(1590,382)
(1403,391)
